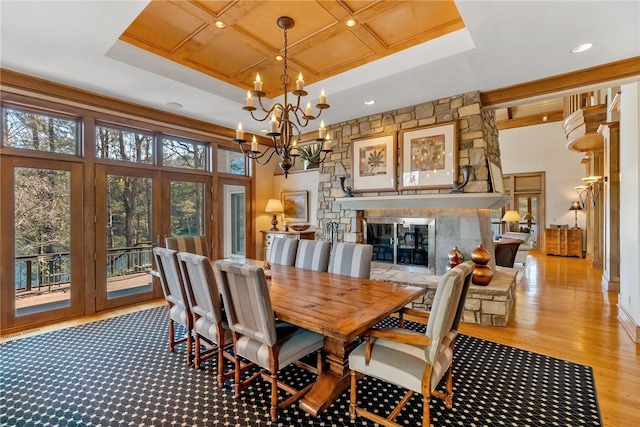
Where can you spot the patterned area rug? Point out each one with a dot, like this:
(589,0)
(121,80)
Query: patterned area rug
(119,372)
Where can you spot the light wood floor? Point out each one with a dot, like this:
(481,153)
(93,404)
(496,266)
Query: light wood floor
(561,311)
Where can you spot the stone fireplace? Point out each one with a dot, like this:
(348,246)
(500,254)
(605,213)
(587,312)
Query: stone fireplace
(461,219)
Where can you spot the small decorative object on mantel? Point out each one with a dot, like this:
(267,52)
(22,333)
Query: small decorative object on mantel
(459,187)
(347,190)
(482,273)
(455,258)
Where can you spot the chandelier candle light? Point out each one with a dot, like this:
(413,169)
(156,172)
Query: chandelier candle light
(285,119)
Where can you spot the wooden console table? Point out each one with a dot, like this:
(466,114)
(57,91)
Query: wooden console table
(563,241)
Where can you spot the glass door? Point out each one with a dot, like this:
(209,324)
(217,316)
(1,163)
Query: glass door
(234,211)
(41,249)
(186,205)
(128,213)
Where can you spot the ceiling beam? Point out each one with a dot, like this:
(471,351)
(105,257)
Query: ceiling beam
(537,119)
(576,79)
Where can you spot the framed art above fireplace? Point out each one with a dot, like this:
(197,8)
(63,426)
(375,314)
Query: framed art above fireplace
(429,157)
(374,163)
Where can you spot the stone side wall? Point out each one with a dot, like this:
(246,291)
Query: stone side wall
(477,143)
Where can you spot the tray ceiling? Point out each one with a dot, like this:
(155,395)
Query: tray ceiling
(321,45)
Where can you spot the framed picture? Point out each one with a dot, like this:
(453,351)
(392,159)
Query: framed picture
(429,157)
(374,163)
(497,182)
(295,206)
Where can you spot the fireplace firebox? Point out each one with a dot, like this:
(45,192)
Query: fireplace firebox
(405,243)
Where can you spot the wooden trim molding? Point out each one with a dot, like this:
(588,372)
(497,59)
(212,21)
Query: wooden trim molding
(556,116)
(622,69)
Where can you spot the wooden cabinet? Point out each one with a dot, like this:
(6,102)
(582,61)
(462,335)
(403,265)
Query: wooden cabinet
(563,241)
(268,236)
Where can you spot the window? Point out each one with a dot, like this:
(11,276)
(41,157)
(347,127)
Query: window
(183,153)
(128,145)
(232,162)
(39,131)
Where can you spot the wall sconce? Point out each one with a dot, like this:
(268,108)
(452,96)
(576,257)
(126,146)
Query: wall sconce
(575,207)
(511,218)
(590,189)
(274,206)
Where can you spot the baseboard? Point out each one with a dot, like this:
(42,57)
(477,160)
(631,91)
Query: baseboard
(632,328)
(610,284)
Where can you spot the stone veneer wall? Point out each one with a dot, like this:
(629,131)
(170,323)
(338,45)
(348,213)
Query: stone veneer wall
(477,143)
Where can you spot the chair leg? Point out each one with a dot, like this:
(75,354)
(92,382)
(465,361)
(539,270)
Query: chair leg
(353,397)
(448,402)
(274,397)
(198,355)
(426,411)
(172,335)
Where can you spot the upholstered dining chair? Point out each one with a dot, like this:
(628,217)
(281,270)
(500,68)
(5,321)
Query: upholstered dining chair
(283,251)
(351,259)
(409,359)
(313,255)
(209,325)
(192,244)
(257,336)
(505,252)
(175,295)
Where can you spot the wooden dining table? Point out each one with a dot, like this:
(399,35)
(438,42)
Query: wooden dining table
(338,307)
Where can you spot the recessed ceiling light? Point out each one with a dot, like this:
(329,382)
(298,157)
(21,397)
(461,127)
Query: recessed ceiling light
(264,130)
(351,23)
(220,24)
(175,105)
(582,48)
(545,118)
(279,58)
(370,102)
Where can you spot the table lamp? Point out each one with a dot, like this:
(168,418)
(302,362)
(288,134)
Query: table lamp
(511,218)
(575,207)
(274,206)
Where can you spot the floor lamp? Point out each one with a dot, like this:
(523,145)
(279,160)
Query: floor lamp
(575,207)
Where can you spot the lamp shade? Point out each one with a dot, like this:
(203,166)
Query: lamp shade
(575,206)
(511,216)
(274,205)
(527,217)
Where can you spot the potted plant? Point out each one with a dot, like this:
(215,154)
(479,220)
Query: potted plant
(310,154)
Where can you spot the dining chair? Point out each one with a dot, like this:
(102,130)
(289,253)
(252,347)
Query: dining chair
(283,251)
(505,252)
(192,244)
(257,336)
(313,255)
(412,360)
(351,259)
(175,295)
(209,325)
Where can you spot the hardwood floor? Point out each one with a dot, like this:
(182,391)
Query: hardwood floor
(561,311)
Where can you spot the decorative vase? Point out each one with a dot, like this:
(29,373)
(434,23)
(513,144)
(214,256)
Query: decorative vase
(455,258)
(482,274)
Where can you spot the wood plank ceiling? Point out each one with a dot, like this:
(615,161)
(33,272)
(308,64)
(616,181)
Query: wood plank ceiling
(321,44)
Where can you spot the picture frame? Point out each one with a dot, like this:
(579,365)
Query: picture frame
(295,206)
(421,164)
(497,181)
(374,163)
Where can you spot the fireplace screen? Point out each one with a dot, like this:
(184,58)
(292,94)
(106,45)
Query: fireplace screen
(402,241)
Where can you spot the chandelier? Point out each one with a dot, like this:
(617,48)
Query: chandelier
(285,120)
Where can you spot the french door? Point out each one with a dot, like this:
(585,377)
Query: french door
(234,212)
(41,245)
(135,210)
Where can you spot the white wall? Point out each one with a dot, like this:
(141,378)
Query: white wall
(543,148)
(629,298)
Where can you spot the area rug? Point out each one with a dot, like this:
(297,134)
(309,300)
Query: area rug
(119,371)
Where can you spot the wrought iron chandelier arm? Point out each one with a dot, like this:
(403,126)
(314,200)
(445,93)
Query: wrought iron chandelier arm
(258,155)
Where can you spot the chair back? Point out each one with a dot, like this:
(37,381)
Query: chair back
(200,285)
(193,244)
(170,278)
(467,268)
(351,259)
(246,299)
(444,310)
(313,255)
(283,251)
(505,252)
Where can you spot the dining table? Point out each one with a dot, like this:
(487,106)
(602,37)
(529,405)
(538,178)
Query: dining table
(340,308)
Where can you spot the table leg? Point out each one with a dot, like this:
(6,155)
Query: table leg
(333,381)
